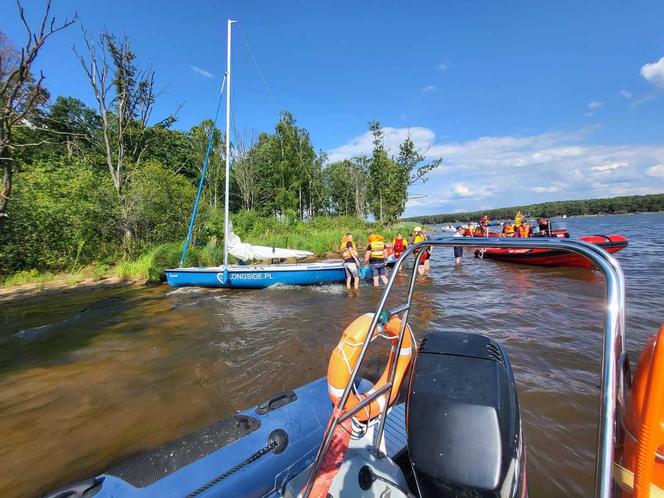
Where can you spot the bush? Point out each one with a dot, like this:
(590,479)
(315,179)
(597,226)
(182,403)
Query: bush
(61,216)
(159,204)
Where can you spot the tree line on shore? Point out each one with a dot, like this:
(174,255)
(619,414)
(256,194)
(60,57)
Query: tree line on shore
(611,205)
(83,184)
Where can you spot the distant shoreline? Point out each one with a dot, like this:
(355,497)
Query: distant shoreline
(622,205)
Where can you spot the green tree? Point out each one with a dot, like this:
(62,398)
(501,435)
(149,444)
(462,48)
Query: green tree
(199,137)
(390,177)
(21,94)
(281,174)
(346,183)
(63,214)
(158,204)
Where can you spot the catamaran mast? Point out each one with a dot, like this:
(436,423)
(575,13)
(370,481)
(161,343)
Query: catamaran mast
(228,141)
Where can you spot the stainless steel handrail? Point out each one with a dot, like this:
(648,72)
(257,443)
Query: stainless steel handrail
(612,347)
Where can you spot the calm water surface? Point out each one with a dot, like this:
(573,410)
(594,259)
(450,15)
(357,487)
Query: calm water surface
(87,379)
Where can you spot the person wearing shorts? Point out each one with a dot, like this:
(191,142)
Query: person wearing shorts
(375,257)
(351,261)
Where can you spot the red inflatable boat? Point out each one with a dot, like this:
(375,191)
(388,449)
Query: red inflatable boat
(549,257)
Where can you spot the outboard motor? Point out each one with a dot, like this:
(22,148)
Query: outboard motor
(462,419)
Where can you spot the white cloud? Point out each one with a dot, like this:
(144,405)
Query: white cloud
(654,72)
(429,89)
(603,168)
(595,104)
(551,189)
(201,71)
(589,114)
(462,190)
(626,93)
(512,169)
(657,171)
(441,67)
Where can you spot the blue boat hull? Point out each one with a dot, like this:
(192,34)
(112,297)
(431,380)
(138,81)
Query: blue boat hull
(172,471)
(303,420)
(257,277)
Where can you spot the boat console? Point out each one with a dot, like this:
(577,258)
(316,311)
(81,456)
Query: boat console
(463,423)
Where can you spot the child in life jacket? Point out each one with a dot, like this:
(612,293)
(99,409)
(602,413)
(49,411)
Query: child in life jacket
(423,258)
(399,245)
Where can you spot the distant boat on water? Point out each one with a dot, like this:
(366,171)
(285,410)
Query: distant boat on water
(247,276)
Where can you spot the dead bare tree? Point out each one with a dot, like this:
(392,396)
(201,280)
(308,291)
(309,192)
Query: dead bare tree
(21,94)
(125,98)
(245,169)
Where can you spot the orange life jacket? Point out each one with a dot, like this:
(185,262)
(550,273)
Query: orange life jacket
(524,230)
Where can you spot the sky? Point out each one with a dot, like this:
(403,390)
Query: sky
(525,101)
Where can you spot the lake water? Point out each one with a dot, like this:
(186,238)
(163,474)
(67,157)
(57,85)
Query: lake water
(89,378)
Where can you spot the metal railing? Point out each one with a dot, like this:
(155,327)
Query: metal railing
(613,346)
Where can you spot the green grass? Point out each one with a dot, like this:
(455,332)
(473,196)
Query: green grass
(95,271)
(27,277)
(320,236)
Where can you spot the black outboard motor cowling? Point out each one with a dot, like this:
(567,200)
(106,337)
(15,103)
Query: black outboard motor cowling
(462,419)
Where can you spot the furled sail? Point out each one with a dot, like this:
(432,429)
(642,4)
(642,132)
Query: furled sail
(246,252)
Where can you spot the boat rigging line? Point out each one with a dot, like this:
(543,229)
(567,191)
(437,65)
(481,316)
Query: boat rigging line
(260,73)
(203,171)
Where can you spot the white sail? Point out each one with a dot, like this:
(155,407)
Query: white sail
(246,252)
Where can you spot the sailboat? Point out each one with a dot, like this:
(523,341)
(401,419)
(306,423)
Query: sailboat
(254,276)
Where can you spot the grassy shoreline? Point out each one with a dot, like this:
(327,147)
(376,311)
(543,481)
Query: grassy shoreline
(322,239)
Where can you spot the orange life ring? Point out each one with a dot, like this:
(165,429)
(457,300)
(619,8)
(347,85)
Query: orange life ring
(345,355)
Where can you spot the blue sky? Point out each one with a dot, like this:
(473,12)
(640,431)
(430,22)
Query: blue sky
(524,101)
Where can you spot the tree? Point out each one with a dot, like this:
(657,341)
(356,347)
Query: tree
(199,137)
(158,203)
(125,96)
(281,174)
(385,199)
(21,94)
(346,183)
(410,159)
(390,177)
(245,169)
(63,215)
(77,127)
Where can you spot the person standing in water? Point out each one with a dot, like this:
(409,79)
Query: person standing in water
(458,251)
(348,252)
(375,257)
(399,245)
(423,256)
